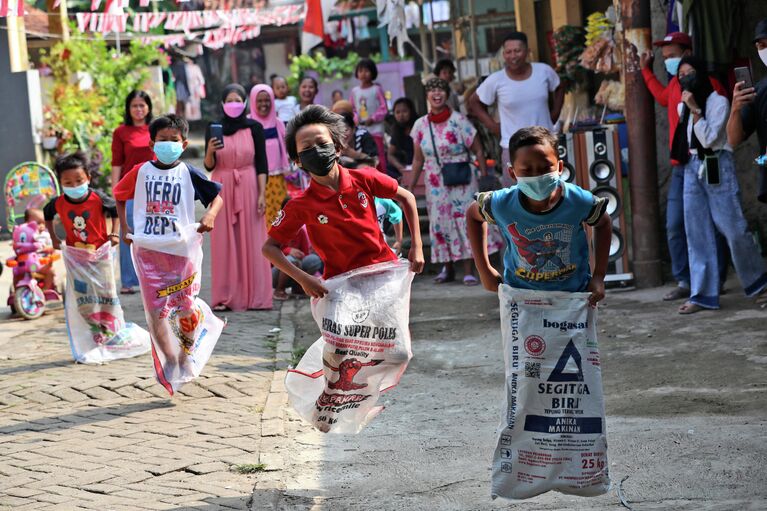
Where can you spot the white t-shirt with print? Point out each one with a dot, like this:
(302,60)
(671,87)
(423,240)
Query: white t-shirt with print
(164,198)
(521,103)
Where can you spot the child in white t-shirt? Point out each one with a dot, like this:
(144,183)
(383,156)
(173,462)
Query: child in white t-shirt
(284,105)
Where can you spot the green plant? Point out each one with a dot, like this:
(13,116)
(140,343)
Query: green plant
(297,354)
(333,68)
(569,44)
(84,117)
(249,468)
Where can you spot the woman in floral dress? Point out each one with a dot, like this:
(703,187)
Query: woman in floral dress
(454,138)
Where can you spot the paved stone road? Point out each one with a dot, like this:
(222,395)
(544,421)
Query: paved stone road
(109,438)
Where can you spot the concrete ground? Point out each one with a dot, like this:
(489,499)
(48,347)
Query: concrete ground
(686,401)
(109,438)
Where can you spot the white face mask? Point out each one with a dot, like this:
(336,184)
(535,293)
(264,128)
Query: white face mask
(763,55)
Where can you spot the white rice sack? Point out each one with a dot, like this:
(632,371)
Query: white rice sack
(553,433)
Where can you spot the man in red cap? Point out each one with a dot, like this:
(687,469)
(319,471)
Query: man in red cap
(674,47)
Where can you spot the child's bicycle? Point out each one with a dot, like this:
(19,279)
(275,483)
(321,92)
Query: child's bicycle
(28,185)
(28,297)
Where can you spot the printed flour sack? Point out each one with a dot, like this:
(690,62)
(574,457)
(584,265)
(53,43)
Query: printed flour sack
(363,351)
(183,329)
(95,323)
(552,434)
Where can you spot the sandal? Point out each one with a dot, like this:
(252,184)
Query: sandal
(444,276)
(127,291)
(470,280)
(677,294)
(690,308)
(761,299)
(280,296)
(220,308)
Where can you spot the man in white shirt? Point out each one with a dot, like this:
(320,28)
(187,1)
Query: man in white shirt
(528,94)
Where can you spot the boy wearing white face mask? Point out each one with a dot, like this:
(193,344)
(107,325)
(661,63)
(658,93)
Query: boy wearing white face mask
(749,112)
(164,190)
(541,219)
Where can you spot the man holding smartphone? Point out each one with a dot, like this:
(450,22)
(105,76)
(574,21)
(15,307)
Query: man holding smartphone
(749,111)
(674,47)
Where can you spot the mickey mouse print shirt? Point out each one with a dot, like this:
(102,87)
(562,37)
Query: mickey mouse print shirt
(163,199)
(85,221)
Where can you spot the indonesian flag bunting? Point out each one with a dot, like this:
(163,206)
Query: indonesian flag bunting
(11,8)
(317,13)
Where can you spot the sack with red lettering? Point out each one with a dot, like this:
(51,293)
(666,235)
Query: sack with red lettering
(183,329)
(363,351)
(552,434)
(97,329)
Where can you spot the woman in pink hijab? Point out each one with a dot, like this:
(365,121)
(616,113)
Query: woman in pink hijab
(262,110)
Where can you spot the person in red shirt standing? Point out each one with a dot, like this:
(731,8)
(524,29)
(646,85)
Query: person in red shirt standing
(674,47)
(337,208)
(130,147)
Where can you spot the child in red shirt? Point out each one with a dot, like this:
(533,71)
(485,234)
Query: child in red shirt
(88,215)
(338,208)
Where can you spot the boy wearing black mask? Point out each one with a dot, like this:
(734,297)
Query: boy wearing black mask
(337,208)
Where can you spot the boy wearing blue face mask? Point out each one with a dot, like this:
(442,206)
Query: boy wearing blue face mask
(164,190)
(541,219)
(86,214)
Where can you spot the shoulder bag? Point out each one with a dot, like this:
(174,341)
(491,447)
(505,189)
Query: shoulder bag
(453,174)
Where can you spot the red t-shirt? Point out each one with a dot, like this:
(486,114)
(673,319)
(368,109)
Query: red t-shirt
(130,147)
(670,96)
(84,222)
(342,225)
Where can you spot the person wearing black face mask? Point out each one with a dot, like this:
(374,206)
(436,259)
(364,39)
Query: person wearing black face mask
(711,192)
(338,207)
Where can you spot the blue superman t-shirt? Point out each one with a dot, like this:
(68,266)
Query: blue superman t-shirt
(545,251)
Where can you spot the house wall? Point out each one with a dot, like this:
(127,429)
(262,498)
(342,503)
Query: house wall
(16,140)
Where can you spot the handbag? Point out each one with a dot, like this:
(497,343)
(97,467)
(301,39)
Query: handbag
(453,174)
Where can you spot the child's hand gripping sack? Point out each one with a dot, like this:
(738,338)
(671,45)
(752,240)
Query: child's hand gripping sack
(363,351)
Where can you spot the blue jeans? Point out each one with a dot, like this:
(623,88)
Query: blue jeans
(128,276)
(677,238)
(708,208)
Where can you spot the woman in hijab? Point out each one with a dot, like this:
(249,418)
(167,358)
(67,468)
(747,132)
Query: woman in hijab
(262,110)
(241,276)
(711,193)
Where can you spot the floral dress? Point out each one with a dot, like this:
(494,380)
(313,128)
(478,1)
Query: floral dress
(447,205)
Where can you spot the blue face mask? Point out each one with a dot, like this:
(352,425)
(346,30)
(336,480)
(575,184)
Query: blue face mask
(168,152)
(539,187)
(672,65)
(75,192)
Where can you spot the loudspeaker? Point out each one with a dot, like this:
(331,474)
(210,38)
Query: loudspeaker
(566,150)
(599,171)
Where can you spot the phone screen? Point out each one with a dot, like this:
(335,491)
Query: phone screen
(743,74)
(712,170)
(217,131)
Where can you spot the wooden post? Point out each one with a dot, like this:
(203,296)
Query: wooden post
(524,11)
(57,19)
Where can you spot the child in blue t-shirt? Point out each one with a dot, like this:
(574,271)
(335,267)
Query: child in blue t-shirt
(541,219)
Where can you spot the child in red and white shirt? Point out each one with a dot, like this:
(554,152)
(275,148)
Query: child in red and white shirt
(338,208)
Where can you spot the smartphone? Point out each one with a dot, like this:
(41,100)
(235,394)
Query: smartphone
(712,169)
(217,131)
(743,74)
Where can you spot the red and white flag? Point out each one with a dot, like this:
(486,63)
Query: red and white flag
(317,13)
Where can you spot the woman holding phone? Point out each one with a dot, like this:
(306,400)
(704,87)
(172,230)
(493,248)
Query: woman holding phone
(130,147)
(241,276)
(711,193)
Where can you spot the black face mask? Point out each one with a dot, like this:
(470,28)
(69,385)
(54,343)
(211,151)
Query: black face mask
(319,159)
(689,82)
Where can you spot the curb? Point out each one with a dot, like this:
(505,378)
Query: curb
(273,417)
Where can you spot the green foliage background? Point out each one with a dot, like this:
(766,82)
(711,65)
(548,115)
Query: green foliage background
(333,68)
(85,119)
